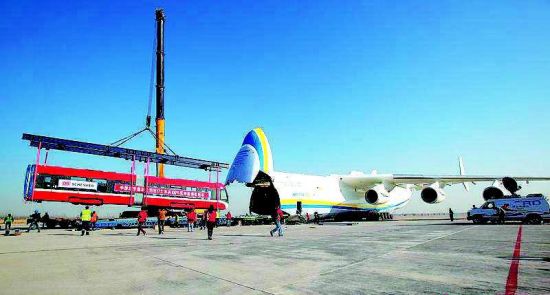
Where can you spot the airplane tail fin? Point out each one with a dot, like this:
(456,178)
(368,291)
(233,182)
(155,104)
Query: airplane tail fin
(253,156)
(461,170)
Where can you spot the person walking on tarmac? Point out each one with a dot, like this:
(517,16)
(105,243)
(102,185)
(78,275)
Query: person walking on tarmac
(451,215)
(502,213)
(177,220)
(278,218)
(203,220)
(315,217)
(86,217)
(45,219)
(161,220)
(8,220)
(93,221)
(211,221)
(191,218)
(142,218)
(228,218)
(34,219)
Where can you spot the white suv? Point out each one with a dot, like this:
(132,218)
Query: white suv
(531,209)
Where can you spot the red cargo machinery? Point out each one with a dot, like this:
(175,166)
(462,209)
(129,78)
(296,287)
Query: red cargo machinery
(94,187)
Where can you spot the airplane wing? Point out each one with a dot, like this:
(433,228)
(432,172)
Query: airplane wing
(453,179)
(367,181)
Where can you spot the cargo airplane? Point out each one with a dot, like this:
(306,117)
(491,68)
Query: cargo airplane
(352,196)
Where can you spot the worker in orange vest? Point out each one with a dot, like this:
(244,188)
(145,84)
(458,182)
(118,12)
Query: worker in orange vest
(161,220)
(93,220)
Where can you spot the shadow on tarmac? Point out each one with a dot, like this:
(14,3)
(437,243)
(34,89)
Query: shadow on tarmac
(431,224)
(121,234)
(462,223)
(241,235)
(545,259)
(168,238)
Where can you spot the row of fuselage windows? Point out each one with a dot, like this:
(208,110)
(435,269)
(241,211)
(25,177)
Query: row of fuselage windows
(53,182)
(103,185)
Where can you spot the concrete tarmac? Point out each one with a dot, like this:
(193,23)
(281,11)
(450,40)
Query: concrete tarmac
(392,257)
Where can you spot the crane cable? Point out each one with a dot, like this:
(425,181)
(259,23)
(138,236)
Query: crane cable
(149,104)
(163,143)
(151,80)
(149,100)
(127,138)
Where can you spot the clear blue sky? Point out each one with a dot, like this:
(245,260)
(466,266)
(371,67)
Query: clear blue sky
(401,87)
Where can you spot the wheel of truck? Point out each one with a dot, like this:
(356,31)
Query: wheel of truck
(51,223)
(478,219)
(533,219)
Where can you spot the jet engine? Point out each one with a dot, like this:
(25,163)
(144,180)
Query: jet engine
(506,186)
(432,194)
(377,195)
(493,192)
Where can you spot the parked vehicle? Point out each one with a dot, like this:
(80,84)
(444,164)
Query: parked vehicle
(531,209)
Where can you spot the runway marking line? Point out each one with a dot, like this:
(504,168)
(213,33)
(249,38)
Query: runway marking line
(211,275)
(512,280)
(440,237)
(370,257)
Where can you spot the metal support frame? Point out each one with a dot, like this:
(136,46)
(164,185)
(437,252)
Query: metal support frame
(132,173)
(36,169)
(52,143)
(46,158)
(218,192)
(145,174)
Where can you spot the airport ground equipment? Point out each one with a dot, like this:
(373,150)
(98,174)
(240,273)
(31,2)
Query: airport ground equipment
(119,223)
(252,219)
(160,123)
(531,209)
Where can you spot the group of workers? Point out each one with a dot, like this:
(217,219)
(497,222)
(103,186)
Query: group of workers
(316,218)
(208,220)
(89,219)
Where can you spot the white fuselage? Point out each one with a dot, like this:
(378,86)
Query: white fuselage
(328,195)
